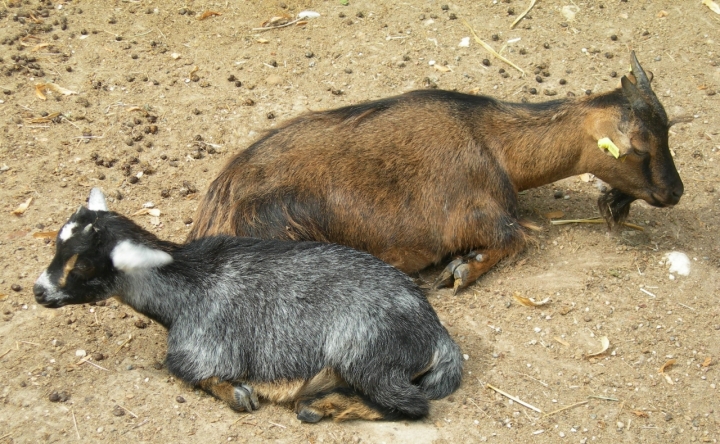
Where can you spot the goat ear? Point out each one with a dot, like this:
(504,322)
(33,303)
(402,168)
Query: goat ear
(128,257)
(611,139)
(680,119)
(96,202)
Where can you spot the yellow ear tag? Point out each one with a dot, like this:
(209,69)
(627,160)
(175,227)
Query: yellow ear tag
(606,144)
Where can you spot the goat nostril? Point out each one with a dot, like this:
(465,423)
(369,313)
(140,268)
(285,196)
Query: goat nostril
(38,291)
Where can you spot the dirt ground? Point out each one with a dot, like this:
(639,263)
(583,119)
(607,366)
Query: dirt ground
(161,99)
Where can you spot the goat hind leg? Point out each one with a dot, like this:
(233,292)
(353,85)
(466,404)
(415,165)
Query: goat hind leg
(342,403)
(240,397)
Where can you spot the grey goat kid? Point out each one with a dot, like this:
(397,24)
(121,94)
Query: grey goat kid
(332,330)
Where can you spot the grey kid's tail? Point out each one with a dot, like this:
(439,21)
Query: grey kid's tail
(445,375)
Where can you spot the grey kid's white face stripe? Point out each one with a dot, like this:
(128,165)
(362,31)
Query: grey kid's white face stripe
(128,257)
(44,281)
(67,231)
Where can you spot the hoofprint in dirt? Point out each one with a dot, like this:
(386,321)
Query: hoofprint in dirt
(147,126)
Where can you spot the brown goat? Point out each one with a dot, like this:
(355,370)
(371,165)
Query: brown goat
(415,178)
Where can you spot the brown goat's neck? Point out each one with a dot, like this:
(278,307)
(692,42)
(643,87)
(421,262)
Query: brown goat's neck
(542,143)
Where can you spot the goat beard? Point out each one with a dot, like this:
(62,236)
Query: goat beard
(614,207)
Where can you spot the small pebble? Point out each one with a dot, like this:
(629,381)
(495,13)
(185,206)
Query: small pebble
(98,356)
(538,79)
(558,194)
(486,62)
(562,81)
(613,37)
(16,287)
(187,220)
(180,399)
(118,411)
(309,54)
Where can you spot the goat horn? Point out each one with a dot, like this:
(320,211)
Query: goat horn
(642,80)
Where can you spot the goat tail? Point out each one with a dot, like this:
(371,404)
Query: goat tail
(445,373)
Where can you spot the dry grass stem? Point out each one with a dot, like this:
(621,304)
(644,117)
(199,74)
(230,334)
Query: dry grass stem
(267,28)
(514,398)
(75,424)
(567,407)
(525,12)
(604,398)
(648,293)
(490,50)
(128,410)
(124,343)
(595,220)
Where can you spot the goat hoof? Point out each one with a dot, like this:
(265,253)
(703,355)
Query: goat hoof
(460,274)
(447,277)
(309,415)
(245,398)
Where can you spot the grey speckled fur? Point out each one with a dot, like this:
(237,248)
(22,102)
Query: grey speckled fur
(248,310)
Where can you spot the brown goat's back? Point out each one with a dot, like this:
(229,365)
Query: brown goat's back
(405,178)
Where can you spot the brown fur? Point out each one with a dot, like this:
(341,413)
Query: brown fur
(341,406)
(69,265)
(417,177)
(326,394)
(222,390)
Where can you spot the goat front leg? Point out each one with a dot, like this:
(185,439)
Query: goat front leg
(465,270)
(240,397)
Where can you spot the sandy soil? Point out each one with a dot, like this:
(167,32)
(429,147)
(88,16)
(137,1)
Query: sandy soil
(162,93)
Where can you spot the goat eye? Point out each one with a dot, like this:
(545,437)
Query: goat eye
(640,153)
(82,268)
